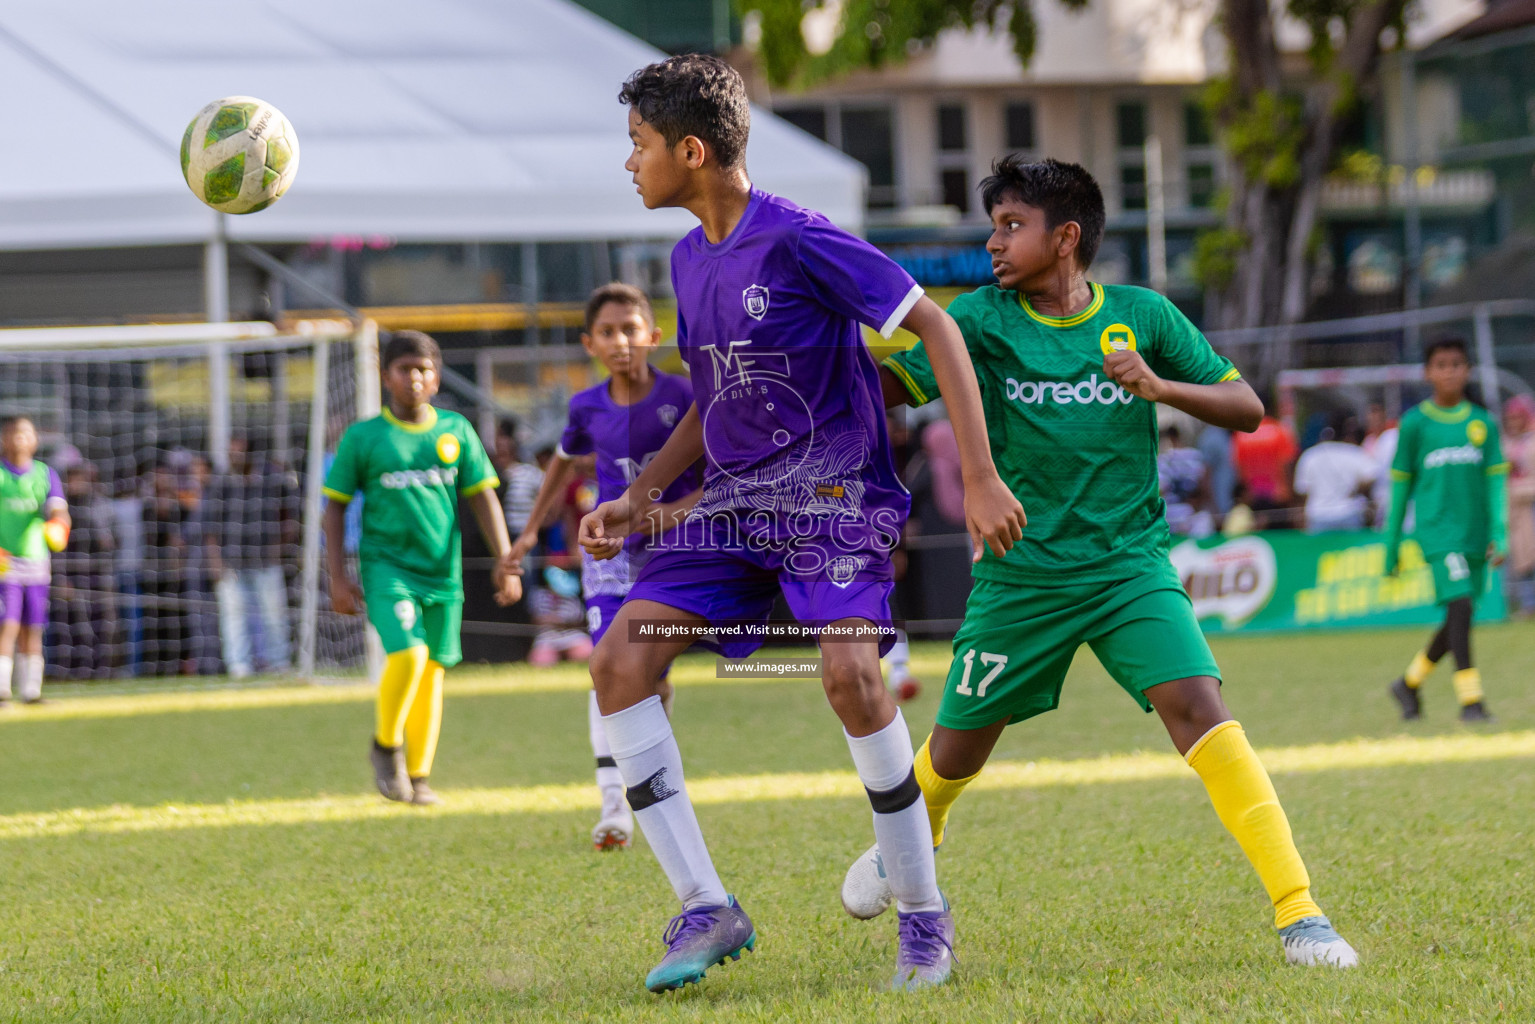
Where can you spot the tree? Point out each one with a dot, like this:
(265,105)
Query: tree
(1281,136)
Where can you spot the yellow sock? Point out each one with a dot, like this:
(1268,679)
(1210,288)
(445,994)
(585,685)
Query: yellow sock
(396,689)
(1418,670)
(423,723)
(1468,686)
(1247,805)
(939,793)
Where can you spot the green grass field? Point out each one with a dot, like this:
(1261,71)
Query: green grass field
(217,855)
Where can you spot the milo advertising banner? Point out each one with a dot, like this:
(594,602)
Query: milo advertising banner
(1292,580)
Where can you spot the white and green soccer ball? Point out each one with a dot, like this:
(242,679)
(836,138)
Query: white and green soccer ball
(239,154)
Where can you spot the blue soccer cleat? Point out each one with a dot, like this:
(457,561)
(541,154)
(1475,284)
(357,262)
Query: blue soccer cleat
(1313,942)
(926,949)
(696,940)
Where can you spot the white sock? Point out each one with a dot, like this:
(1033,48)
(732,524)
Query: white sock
(647,755)
(30,685)
(7,666)
(899,658)
(884,763)
(608,776)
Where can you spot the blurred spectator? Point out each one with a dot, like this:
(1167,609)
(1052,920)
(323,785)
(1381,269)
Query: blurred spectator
(128,537)
(1380,444)
(1264,460)
(554,596)
(1215,449)
(946,482)
(164,576)
(193,478)
(1519,449)
(1184,484)
(1240,520)
(1336,475)
(522,479)
(252,509)
(84,619)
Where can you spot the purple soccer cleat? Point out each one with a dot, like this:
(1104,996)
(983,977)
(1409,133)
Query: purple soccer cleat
(696,940)
(926,955)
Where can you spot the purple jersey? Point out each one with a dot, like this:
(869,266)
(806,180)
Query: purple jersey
(789,396)
(625,438)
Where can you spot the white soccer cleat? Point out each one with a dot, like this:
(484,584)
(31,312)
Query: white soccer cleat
(1313,942)
(615,830)
(865,890)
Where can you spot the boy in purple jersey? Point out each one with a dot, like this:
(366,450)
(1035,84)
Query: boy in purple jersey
(34,519)
(624,421)
(800,497)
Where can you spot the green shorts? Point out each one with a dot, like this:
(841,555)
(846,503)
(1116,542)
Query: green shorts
(1017,641)
(405,619)
(1457,575)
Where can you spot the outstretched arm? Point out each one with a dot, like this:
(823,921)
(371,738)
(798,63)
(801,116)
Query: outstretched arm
(994,517)
(604,528)
(555,479)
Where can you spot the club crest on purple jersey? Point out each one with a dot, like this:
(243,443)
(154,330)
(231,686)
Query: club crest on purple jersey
(667,414)
(755,299)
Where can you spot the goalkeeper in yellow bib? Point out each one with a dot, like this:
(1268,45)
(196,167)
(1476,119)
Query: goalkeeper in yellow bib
(1070,375)
(411,463)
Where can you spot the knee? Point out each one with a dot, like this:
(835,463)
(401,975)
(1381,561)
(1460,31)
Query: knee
(849,681)
(605,663)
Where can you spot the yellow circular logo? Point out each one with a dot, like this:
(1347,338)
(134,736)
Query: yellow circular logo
(1476,432)
(447,448)
(1116,338)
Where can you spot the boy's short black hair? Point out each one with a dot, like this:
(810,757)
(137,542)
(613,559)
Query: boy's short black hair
(1448,342)
(1064,191)
(14,421)
(412,343)
(623,294)
(694,94)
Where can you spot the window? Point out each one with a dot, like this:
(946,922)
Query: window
(1130,122)
(1199,156)
(806,119)
(1197,130)
(1132,186)
(955,183)
(951,128)
(1201,185)
(1018,125)
(868,136)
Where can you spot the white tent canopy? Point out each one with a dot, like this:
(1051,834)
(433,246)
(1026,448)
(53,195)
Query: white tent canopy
(447,120)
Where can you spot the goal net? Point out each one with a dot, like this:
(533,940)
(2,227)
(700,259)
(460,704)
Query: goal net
(191,457)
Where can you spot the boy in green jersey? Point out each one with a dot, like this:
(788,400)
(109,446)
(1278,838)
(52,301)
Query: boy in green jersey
(34,520)
(1070,375)
(1450,463)
(411,463)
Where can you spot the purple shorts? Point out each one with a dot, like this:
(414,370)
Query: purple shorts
(26,603)
(728,586)
(601,610)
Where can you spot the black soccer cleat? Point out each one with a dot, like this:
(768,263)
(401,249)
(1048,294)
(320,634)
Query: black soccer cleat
(421,794)
(389,771)
(1407,697)
(1475,712)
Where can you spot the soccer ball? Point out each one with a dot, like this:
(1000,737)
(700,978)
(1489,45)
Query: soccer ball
(239,154)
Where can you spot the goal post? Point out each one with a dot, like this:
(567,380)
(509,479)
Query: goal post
(176,566)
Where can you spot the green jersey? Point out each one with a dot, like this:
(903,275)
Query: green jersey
(25,497)
(1447,457)
(1078,450)
(410,476)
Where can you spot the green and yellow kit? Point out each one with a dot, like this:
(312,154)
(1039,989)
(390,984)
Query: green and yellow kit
(1080,453)
(1449,463)
(411,476)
